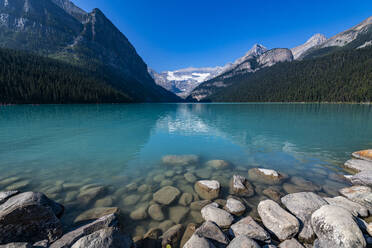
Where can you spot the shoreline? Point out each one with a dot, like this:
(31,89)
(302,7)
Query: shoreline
(300,215)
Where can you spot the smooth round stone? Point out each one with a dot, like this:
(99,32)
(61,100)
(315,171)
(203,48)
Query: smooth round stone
(185,199)
(159,178)
(207,189)
(190,177)
(166,182)
(104,202)
(180,160)
(146,197)
(88,194)
(131,200)
(178,213)
(131,187)
(204,173)
(235,207)
(166,195)
(144,188)
(217,164)
(156,213)
(305,184)
(139,214)
(169,173)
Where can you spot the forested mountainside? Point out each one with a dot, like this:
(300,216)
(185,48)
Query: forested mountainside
(342,76)
(29,78)
(58,29)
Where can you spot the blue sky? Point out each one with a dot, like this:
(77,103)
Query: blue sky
(173,34)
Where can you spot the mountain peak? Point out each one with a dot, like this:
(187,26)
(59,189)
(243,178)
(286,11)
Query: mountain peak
(315,40)
(256,50)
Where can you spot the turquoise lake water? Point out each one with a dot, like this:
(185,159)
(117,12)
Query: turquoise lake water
(60,149)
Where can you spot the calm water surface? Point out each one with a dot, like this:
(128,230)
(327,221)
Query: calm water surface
(64,150)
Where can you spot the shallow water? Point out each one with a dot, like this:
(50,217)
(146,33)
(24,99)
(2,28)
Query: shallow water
(60,150)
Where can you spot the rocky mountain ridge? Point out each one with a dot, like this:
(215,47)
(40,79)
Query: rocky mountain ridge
(315,40)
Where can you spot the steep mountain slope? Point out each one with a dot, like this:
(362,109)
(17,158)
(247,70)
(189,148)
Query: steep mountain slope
(62,31)
(357,37)
(251,63)
(29,78)
(315,40)
(343,76)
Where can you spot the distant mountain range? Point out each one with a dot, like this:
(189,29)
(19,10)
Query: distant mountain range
(60,30)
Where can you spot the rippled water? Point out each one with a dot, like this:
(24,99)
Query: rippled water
(64,150)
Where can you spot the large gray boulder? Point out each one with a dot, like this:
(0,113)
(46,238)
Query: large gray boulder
(303,205)
(358,165)
(362,178)
(104,238)
(355,208)
(211,231)
(29,217)
(219,216)
(16,245)
(70,238)
(198,242)
(290,243)
(248,227)
(277,220)
(243,241)
(336,227)
(359,194)
(5,195)
(234,206)
(207,189)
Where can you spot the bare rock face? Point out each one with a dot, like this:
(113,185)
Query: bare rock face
(275,56)
(30,217)
(219,216)
(248,227)
(104,238)
(277,220)
(208,189)
(240,186)
(314,41)
(303,205)
(353,207)
(336,227)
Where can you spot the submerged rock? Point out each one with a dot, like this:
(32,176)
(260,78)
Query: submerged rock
(18,185)
(87,195)
(178,213)
(234,206)
(306,185)
(198,205)
(303,205)
(29,217)
(180,160)
(166,195)
(277,220)
(266,176)
(240,186)
(207,189)
(131,200)
(251,229)
(185,199)
(219,216)
(96,213)
(353,207)
(335,227)
(273,193)
(243,241)
(139,214)
(364,154)
(156,213)
(190,177)
(358,165)
(104,238)
(217,164)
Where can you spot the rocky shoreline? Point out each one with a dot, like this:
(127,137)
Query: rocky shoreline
(299,219)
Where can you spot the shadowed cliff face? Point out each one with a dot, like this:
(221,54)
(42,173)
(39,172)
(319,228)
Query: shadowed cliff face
(61,30)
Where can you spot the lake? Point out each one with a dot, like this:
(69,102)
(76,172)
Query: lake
(89,156)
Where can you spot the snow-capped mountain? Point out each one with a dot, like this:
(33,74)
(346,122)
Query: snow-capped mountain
(315,40)
(182,82)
